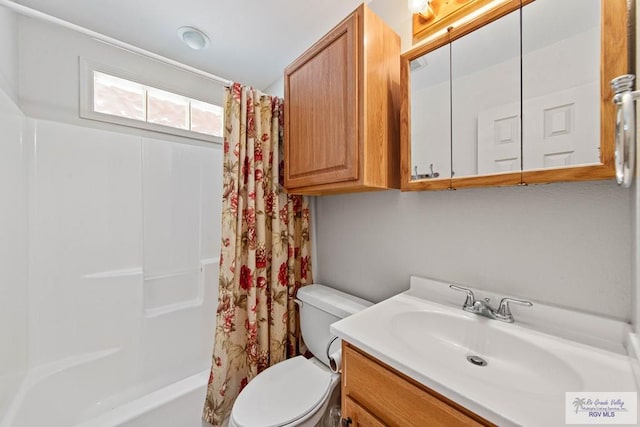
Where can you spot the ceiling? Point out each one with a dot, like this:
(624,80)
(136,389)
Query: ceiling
(252,40)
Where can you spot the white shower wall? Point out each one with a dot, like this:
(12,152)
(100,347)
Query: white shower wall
(123,238)
(9,54)
(124,234)
(124,222)
(13,252)
(109,238)
(13,213)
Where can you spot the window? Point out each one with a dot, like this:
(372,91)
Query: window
(110,98)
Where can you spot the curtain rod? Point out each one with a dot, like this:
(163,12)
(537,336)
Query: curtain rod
(32,13)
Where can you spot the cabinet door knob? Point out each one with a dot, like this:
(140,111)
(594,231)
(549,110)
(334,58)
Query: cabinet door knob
(346,422)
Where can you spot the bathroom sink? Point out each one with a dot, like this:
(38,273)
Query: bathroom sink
(511,374)
(484,350)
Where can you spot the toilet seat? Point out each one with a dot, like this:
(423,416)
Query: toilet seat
(282,394)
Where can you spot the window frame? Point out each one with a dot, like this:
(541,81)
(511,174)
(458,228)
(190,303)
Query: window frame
(86,107)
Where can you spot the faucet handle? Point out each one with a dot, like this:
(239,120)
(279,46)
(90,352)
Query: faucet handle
(471,299)
(505,311)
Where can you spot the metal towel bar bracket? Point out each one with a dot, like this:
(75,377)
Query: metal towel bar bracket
(624,99)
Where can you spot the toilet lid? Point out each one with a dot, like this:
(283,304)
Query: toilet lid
(281,394)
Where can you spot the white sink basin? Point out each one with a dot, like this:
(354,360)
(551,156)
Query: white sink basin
(447,339)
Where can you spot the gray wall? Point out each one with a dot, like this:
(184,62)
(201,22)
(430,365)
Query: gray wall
(566,244)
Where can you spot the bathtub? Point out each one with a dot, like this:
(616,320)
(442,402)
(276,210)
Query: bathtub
(64,394)
(176,405)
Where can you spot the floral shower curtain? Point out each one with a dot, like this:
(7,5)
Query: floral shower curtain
(265,254)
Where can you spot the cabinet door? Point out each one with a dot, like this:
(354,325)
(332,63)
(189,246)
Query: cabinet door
(321,115)
(359,416)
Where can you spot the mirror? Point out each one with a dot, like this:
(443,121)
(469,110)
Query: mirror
(529,96)
(561,83)
(431,115)
(485,88)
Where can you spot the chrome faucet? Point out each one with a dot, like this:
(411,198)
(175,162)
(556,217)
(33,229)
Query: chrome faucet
(483,308)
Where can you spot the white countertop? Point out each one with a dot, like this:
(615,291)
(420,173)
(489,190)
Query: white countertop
(563,351)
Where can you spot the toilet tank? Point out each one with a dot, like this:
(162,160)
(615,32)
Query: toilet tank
(320,307)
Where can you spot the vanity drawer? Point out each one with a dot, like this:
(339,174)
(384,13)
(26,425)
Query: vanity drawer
(395,399)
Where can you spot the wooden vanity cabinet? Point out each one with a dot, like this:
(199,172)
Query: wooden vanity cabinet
(374,394)
(342,101)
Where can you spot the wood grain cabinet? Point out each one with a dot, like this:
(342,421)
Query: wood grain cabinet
(375,395)
(342,101)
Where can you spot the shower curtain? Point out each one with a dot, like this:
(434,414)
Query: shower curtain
(265,251)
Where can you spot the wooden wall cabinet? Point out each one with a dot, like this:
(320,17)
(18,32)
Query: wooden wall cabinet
(342,102)
(375,395)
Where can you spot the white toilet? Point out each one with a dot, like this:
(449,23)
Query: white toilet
(298,391)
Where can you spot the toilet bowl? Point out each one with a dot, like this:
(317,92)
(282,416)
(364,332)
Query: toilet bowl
(299,391)
(295,392)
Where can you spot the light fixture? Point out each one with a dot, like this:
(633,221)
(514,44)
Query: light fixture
(193,37)
(432,16)
(418,6)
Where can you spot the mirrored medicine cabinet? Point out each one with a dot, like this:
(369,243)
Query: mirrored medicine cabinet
(519,94)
